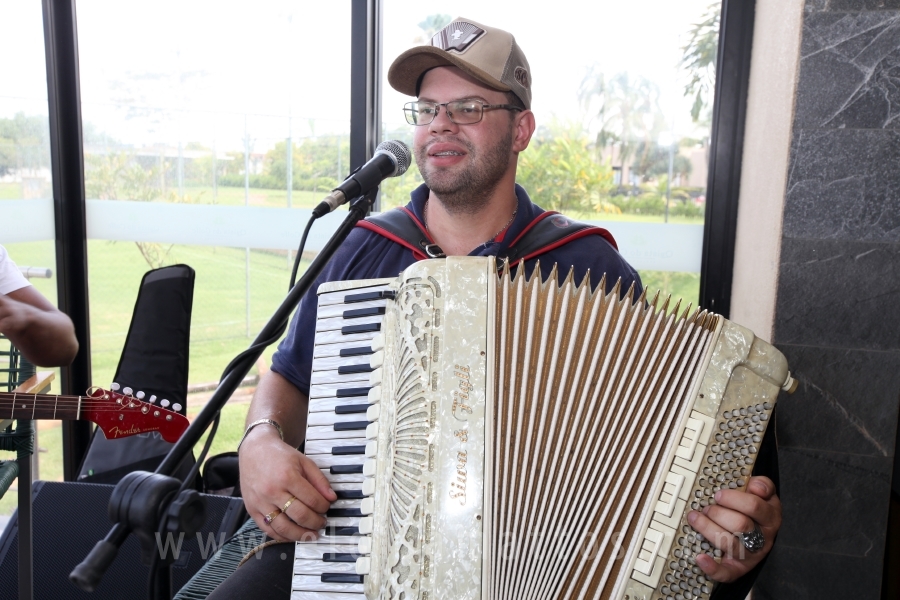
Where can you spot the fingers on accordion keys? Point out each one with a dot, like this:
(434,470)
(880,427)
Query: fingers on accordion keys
(378,342)
(363,564)
(377,359)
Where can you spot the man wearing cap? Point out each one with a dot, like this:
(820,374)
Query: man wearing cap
(472,119)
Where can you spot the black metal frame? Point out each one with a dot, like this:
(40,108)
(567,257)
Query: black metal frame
(67,164)
(726,153)
(365,82)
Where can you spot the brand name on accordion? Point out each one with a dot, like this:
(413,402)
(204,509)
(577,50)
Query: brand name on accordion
(461,407)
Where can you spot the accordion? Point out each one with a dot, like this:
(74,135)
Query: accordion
(505,437)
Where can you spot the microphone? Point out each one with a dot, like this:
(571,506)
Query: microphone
(391,158)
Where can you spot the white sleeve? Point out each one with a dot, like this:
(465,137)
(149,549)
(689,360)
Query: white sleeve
(10,277)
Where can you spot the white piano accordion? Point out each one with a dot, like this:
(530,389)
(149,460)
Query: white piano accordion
(505,438)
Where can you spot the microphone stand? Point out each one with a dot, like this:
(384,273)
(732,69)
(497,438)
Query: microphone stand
(142,501)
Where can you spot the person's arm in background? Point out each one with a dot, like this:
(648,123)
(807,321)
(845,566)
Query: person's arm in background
(44,335)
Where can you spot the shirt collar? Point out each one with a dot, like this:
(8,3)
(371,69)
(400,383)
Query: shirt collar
(525,214)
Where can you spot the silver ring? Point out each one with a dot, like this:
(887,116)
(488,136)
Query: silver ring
(754,540)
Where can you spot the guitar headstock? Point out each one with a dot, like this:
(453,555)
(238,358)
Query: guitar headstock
(121,414)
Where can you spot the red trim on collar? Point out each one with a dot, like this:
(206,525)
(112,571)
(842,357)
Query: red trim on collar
(417,252)
(534,222)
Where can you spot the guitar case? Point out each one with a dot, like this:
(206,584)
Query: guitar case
(154,360)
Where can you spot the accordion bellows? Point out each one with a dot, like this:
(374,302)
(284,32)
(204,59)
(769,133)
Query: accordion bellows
(536,440)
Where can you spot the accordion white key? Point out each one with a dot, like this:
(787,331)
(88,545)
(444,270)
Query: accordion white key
(506,438)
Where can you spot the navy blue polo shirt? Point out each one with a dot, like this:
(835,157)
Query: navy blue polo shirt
(368,255)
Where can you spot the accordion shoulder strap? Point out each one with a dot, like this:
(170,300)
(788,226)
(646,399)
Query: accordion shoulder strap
(547,231)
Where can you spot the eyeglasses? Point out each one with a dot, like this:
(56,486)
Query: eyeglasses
(460,112)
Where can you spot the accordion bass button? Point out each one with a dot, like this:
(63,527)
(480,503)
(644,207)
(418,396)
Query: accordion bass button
(377,359)
(369,467)
(365,525)
(367,506)
(378,342)
(373,412)
(363,564)
(365,545)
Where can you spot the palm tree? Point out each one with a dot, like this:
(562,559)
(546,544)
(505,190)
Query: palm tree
(627,110)
(699,60)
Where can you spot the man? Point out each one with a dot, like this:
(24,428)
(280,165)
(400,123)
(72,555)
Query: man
(472,119)
(44,335)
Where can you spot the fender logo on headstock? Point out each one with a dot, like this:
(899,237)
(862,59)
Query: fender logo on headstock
(115,431)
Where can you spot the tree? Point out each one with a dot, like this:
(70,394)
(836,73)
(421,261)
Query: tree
(627,110)
(118,176)
(653,161)
(699,60)
(23,143)
(561,172)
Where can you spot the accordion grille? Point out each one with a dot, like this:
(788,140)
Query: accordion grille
(594,385)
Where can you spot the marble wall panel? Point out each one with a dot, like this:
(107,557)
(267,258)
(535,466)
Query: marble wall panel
(846,401)
(798,574)
(834,501)
(844,185)
(858,5)
(849,71)
(838,294)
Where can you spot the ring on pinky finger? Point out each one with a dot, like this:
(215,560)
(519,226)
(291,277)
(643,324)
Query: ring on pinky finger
(272,516)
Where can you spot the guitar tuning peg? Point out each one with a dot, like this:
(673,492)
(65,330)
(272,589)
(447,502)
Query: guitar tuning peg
(140,395)
(152,398)
(127,391)
(164,403)
(176,407)
(114,386)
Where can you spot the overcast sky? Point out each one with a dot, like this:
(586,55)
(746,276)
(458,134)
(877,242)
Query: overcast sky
(169,71)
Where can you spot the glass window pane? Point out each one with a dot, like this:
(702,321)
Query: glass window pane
(623,107)
(210,133)
(27,227)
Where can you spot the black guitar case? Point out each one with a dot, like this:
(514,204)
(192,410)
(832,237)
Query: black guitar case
(154,360)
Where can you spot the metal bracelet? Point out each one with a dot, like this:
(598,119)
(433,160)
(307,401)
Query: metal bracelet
(260,422)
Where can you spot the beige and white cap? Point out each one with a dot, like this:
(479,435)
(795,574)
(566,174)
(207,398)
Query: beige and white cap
(490,55)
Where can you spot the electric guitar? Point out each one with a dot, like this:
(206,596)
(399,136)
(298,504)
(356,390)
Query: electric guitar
(117,414)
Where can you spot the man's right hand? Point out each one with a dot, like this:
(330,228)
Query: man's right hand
(272,472)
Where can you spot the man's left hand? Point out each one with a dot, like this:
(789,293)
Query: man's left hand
(735,512)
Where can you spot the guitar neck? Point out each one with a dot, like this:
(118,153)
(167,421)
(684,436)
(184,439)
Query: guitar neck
(15,405)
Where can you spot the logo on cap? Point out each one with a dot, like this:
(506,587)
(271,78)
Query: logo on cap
(521,75)
(560,221)
(456,36)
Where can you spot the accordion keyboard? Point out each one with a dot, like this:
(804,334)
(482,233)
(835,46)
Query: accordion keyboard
(347,322)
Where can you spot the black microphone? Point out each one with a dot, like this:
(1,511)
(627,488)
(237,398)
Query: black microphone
(391,158)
